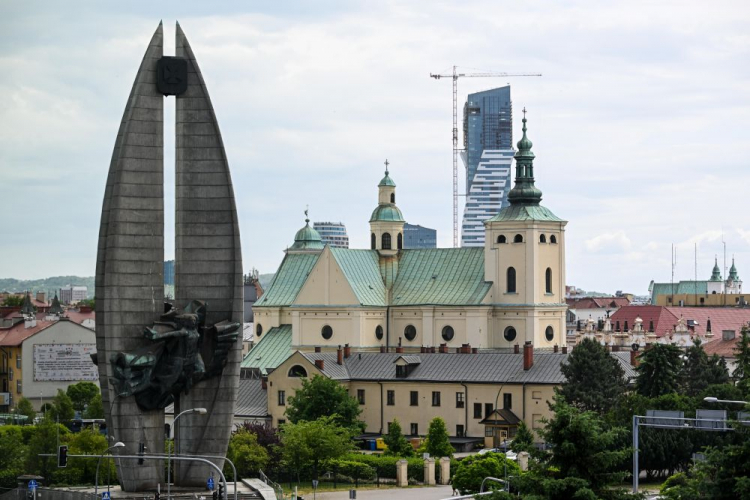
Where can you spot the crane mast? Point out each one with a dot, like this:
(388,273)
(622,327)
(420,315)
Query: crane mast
(455,76)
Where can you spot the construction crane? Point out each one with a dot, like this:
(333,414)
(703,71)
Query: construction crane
(455,76)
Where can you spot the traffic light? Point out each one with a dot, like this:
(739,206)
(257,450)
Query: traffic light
(221,491)
(62,456)
(156,495)
(215,494)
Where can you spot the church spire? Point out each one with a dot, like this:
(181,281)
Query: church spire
(716,273)
(524,192)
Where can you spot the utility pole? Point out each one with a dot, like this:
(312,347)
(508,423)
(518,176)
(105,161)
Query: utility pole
(455,76)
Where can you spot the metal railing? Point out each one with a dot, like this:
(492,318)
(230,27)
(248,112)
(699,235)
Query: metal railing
(276,486)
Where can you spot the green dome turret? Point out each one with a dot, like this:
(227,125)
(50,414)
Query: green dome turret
(733,272)
(716,273)
(387,181)
(386,213)
(307,238)
(524,192)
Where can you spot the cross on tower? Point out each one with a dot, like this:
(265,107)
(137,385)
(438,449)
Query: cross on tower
(386,165)
(524,112)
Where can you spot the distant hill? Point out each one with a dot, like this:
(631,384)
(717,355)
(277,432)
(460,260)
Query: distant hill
(52,284)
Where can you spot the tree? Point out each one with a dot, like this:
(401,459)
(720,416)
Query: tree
(246,453)
(324,397)
(584,447)
(594,379)
(82,394)
(437,443)
(89,442)
(268,437)
(62,408)
(472,470)
(13,453)
(396,442)
(95,408)
(311,442)
(699,371)
(659,370)
(13,301)
(523,440)
(742,362)
(24,407)
(44,440)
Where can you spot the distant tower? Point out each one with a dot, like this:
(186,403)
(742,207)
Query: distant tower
(488,156)
(734,283)
(386,222)
(525,261)
(333,233)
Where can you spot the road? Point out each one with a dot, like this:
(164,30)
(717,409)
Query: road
(425,493)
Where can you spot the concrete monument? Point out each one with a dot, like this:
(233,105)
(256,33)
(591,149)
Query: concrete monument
(186,354)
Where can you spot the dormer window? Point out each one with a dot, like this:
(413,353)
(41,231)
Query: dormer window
(405,365)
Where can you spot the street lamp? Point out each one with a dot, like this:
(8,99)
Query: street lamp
(711,399)
(199,411)
(118,444)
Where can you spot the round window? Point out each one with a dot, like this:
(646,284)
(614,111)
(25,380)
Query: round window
(410,332)
(259,330)
(549,334)
(510,334)
(448,333)
(327,332)
(379,332)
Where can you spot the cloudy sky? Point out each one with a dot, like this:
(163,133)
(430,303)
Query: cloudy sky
(640,123)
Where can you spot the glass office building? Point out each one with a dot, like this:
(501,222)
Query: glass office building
(332,233)
(416,236)
(488,154)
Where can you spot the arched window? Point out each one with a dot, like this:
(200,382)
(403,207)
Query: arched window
(393,197)
(549,334)
(379,332)
(509,334)
(373,241)
(542,238)
(326,332)
(410,332)
(502,239)
(386,241)
(448,333)
(511,280)
(548,280)
(518,238)
(400,241)
(297,371)
(258,329)
(553,239)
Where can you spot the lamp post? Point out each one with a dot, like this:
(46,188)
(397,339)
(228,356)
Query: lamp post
(711,399)
(118,444)
(199,411)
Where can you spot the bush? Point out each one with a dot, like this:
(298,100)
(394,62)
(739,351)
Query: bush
(385,466)
(349,468)
(472,470)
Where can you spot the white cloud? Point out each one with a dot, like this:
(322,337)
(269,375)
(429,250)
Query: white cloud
(615,242)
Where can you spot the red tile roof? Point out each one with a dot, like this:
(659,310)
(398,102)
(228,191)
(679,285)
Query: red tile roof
(79,317)
(15,335)
(663,319)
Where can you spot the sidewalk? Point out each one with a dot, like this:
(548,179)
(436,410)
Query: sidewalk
(424,493)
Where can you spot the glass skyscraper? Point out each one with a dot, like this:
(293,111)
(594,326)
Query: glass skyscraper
(416,236)
(488,155)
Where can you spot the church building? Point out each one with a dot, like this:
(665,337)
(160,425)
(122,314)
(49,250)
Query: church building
(509,293)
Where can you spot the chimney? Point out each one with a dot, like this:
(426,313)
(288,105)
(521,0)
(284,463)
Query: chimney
(339,356)
(516,349)
(382,349)
(565,349)
(347,351)
(432,349)
(400,350)
(465,348)
(264,383)
(633,358)
(422,349)
(317,348)
(528,355)
(615,348)
(459,350)
(443,348)
(320,364)
(556,348)
(474,350)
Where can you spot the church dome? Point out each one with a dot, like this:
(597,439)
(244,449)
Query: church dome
(387,213)
(308,238)
(387,181)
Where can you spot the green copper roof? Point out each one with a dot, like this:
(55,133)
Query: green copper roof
(447,276)
(387,213)
(288,280)
(524,192)
(387,181)
(681,287)
(733,272)
(56,307)
(307,238)
(716,273)
(524,212)
(361,270)
(271,350)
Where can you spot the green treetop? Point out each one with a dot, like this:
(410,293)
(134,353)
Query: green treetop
(659,370)
(594,379)
(323,397)
(396,442)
